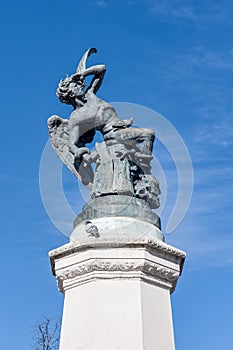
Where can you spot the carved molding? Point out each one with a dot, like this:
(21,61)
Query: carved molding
(152,269)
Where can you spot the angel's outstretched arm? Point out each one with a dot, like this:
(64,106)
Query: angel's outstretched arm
(98,72)
(96,82)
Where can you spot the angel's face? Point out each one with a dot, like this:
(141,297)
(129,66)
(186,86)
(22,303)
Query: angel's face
(76,89)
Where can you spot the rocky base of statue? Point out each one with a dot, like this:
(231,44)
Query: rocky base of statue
(117,292)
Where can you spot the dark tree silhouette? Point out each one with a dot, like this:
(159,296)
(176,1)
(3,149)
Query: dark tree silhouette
(47,334)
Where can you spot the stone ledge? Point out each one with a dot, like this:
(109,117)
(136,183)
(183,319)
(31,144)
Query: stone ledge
(112,258)
(115,242)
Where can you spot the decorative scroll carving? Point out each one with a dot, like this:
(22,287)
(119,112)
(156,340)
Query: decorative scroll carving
(120,265)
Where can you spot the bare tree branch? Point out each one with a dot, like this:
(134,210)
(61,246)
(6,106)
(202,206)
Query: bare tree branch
(47,334)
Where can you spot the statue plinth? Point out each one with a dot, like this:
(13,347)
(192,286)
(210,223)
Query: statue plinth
(117,292)
(117,214)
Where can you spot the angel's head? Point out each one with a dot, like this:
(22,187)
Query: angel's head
(71,90)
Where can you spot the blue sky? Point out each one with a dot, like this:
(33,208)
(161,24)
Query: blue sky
(175,57)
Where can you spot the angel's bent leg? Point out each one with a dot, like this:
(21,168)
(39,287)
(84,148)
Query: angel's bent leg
(133,136)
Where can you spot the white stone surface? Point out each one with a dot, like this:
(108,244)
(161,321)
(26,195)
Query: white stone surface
(117,293)
(112,226)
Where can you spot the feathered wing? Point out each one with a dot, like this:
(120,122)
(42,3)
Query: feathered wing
(59,138)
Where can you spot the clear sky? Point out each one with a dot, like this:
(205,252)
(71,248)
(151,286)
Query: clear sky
(175,57)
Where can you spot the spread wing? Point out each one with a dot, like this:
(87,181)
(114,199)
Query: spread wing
(59,138)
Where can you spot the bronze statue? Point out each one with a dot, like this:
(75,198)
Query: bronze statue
(122,159)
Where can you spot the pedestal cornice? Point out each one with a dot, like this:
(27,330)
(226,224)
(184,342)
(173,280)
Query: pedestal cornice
(108,258)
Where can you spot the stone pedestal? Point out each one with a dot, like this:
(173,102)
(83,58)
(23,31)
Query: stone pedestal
(117,293)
